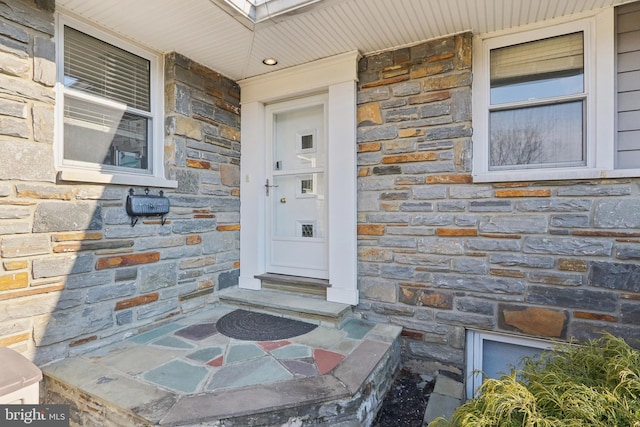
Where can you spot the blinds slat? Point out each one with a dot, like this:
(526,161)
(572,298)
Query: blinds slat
(552,56)
(96,67)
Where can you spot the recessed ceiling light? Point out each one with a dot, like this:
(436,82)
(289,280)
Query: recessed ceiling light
(269,61)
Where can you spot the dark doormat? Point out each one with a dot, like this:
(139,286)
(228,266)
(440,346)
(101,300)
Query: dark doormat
(249,326)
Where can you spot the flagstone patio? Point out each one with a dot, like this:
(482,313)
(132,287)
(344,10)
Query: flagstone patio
(188,373)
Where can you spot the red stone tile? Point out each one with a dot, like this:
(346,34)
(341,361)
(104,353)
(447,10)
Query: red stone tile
(272,345)
(326,360)
(217,362)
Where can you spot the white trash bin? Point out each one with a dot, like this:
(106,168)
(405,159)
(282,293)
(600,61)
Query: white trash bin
(19,379)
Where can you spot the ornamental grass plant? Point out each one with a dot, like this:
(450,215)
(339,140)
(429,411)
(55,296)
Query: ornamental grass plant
(592,384)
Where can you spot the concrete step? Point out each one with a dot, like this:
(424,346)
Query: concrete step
(302,286)
(288,305)
(447,395)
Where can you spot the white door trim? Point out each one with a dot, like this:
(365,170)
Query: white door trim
(337,76)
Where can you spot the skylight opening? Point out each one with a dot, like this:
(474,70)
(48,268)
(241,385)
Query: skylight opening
(261,10)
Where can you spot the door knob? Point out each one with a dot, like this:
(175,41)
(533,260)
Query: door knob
(283,200)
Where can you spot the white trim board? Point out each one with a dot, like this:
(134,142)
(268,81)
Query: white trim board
(336,76)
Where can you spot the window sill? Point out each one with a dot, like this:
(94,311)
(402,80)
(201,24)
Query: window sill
(97,177)
(554,175)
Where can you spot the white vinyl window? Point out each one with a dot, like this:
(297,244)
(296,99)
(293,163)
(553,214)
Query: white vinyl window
(109,108)
(491,355)
(537,104)
(544,102)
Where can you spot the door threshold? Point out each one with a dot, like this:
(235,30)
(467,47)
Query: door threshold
(295,284)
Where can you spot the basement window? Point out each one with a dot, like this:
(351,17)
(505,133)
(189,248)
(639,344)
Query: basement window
(491,355)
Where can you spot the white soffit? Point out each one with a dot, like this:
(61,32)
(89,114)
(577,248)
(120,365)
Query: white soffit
(222,37)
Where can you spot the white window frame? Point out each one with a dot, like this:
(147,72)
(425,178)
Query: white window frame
(600,88)
(474,354)
(96,173)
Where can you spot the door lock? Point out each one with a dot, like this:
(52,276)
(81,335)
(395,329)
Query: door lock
(283,200)
(267,187)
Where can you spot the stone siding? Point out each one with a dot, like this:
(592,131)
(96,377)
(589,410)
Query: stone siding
(439,254)
(74,273)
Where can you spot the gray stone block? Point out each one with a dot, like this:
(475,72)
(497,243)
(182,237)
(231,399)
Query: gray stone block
(470,265)
(68,324)
(554,278)
(613,275)
(228,279)
(157,276)
(23,246)
(572,298)
(67,216)
(430,192)
(62,265)
(513,224)
(466,319)
(554,205)
(24,14)
(520,260)
(124,317)
(618,213)
(193,225)
(490,205)
(570,221)
(631,251)
(377,133)
(489,285)
(104,293)
(188,181)
(502,245)
(18,159)
(436,109)
(437,352)
(594,190)
(398,272)
(14,32)
(213,243)
(630,313)
(406,88)
(44,61)
(376,183)
(158,309)
(473,305)
(568,246)
(87,280)
(440,246)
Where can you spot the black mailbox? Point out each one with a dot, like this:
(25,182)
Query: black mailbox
(146,205)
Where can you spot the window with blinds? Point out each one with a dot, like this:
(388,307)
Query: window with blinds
(537,104)
(107,104)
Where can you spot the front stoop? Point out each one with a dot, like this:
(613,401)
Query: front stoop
(285,304)
(349,395)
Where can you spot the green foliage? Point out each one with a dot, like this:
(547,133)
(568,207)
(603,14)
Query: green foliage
(595,384)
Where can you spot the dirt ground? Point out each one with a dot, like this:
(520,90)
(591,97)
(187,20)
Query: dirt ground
(406,401)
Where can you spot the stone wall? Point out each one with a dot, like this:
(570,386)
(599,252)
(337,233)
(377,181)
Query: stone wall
(74,273)
(439,254)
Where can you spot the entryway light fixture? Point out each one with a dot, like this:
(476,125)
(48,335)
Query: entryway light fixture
(269,61)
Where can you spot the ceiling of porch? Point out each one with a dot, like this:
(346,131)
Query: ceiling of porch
(217,35)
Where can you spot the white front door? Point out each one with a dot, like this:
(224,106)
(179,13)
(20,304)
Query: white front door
(296,189)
